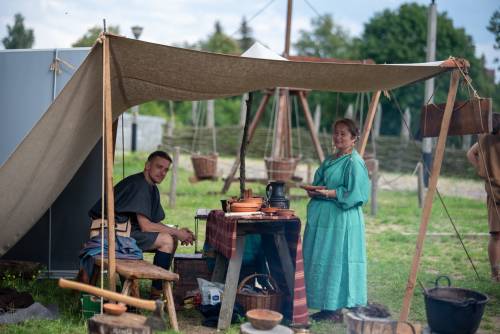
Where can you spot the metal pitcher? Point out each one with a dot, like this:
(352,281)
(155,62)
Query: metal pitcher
(275,193)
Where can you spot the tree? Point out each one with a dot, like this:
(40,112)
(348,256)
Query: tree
(399,36)
(246,40)
(92,34)
(326,40)
(494,28)
(18,37)
(218,41)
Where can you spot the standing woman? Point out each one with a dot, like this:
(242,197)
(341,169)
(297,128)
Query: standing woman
(334,238)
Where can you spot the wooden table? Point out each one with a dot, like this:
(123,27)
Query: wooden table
(275,234)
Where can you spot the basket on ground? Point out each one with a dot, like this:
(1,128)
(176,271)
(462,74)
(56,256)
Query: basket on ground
(250,301)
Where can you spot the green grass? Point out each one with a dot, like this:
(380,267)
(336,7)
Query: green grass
(391,238)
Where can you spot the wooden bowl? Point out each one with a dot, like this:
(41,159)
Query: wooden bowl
(263,319)
(244,207)
(312,188)
(256,199)
(285,213)
(270,210)
(114,309)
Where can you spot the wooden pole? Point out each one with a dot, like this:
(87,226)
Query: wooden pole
(244,143)
(372,109)
(251,132)
(310,126)
(277,151)
(288,28)
(108,124)
(420,184)
(173,184)
(426,211)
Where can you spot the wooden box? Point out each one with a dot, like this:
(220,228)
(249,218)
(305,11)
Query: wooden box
(189,267)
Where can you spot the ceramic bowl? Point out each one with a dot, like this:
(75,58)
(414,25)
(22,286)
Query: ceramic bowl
(114,309)
(285,213)
(263,319)
(270,210)
(256,199)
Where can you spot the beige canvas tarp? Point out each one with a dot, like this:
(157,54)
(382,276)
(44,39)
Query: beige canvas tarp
(48,157)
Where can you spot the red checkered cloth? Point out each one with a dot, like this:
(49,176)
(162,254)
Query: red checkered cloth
(221,235)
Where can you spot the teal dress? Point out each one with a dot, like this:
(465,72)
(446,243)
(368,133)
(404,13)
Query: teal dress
(334,238)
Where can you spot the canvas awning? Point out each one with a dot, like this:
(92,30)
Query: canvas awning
(48,157)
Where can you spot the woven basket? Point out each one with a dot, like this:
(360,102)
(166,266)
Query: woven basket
(205,166)
(281,169)
(271,301)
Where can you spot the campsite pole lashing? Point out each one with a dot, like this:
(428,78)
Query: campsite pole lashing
(110,201)
(426,211)
(368,123)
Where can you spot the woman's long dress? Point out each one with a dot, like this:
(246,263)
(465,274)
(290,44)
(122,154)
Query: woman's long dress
(334,238)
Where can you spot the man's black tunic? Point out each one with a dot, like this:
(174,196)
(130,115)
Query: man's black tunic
(135,195)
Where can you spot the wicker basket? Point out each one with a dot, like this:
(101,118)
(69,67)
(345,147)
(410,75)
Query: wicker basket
(205,166)
(281,169)
(248,301)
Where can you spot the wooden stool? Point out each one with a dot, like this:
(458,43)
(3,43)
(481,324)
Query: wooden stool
(133,270)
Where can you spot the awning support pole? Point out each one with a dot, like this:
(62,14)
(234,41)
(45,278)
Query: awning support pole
(372,109)
(310,125)
(108,124)
(426,211)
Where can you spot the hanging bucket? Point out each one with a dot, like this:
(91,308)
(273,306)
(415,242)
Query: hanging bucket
(205,166)
(281,169)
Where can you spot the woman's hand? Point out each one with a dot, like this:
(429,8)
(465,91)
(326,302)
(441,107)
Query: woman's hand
(329,193)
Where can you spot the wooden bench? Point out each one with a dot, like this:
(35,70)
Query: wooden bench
(133,270)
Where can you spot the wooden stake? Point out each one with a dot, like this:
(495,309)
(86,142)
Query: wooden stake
(251,132)
(368,122)
(426,211)
(108,114)
(310,125)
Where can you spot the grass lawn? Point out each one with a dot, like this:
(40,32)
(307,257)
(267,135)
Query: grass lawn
(391,238)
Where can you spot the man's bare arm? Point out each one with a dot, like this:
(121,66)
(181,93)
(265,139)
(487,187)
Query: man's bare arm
(473,155)
(147,226)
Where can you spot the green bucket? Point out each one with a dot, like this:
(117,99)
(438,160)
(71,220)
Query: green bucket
(91,305)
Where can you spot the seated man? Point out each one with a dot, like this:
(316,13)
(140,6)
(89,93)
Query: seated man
(137,199)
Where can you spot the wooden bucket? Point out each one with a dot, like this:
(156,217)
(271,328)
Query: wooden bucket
(250,301)
(281,169)
(205,166)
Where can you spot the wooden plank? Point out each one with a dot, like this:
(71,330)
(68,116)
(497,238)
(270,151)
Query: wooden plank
(310,126)
(469,117)
(139,269)
(108,138)
(233,274)
(251,132)
(426,211)
(372,109)
(219,272)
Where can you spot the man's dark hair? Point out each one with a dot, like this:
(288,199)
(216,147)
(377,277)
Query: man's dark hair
(160,154)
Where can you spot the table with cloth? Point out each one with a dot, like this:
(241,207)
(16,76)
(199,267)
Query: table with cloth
(282,247)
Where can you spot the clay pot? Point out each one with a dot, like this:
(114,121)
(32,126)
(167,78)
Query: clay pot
(244,207)
(285,213)
(256,200)
(270,210)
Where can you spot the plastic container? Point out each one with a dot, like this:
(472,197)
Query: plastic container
(91,305)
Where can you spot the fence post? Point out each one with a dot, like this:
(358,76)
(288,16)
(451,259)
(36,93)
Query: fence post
(420,184)
(173,183)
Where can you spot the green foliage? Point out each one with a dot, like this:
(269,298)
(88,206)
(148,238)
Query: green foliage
(154,108)
(18,37)
(246,40)
(219,42)
(326,40)
(89,38)
(400,36)
(494,28)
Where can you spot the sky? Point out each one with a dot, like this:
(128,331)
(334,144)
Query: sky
(59,23)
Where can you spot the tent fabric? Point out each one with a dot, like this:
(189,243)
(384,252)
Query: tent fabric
(51,153)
